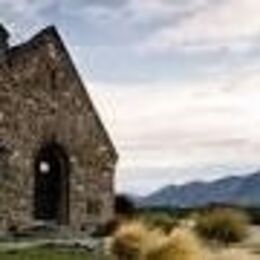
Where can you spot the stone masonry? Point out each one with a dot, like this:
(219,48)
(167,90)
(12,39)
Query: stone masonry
(44,102)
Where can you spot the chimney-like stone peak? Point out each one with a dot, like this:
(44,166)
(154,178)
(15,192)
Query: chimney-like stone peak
(4,44)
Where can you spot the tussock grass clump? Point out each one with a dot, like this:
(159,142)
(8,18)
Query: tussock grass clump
(181,244)
(223,225)
(136,241)
(128,239)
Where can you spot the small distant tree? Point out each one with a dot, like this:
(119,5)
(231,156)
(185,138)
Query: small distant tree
(124,210)
(124,206)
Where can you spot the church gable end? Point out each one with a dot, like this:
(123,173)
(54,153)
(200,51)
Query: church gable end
(54,135)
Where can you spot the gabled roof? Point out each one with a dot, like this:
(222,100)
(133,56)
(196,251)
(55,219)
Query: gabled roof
(3,33)
(44,37)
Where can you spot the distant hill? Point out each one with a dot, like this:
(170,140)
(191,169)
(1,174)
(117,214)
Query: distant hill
(242,191)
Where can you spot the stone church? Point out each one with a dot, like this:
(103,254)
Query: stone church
(57,161)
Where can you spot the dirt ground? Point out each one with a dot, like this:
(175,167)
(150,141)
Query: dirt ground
(250,248)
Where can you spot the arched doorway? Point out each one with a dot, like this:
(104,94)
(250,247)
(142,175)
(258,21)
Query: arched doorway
(51,189)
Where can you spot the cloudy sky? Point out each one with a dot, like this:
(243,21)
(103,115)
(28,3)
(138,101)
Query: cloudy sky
(177,82)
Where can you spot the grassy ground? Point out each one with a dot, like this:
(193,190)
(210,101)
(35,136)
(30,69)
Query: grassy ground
(246,250)
(45,254)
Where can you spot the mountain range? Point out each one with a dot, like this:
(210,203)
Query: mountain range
(235,190)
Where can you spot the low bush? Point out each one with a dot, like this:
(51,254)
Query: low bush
(160,220)
(136,241)
(106,229)
(222,225)
(124,206)
(127,241)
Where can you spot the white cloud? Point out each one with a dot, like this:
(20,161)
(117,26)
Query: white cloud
(182,125)
(188,25)
(25,7)
(161,8)
(189,126)
(23,18)
(230,24)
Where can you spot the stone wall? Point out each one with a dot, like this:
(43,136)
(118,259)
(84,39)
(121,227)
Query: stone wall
(43,99)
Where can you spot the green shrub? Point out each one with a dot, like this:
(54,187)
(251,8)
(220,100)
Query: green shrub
(107,229)
(124,206)
(254,214)
(222,225)
(161,220)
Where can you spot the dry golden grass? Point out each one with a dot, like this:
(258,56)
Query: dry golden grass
(128,240)
(181,244)
(137,241)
